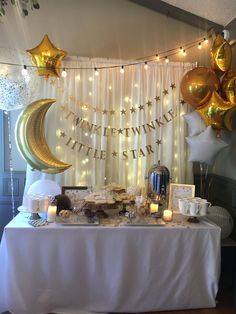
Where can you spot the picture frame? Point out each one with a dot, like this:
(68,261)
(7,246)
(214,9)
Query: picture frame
(76,194)
(177,191)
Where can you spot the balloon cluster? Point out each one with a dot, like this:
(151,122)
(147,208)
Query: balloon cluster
(212,91)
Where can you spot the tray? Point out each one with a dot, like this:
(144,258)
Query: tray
(77,221)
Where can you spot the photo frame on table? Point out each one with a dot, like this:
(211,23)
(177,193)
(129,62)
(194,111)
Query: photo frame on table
(177,191)
(76,194)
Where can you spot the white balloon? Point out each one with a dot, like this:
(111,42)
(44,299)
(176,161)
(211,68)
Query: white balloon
(195,123)
(44,187)
(205,146)
(222,218)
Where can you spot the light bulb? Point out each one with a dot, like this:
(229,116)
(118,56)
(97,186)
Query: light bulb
(64,73)
(96,72)
(166,59)
(24,71)
(184,53)
(199,46)
(146,65)
(157,58)
(180,49)
(206,41)
(122,70)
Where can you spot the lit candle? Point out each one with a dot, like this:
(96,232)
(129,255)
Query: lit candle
(167,215)
(52,212)
(154,208)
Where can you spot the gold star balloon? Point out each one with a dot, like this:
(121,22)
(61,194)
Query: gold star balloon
(212,112)
(221,54)
(229,118)
(47,58)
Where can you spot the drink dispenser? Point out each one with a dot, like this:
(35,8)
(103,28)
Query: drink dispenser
(158,184)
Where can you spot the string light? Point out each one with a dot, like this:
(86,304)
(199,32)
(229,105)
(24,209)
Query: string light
(96,72)
(64,73)
(199,46)
(166,59)
(122,70)
(145,65)
(10,162)
(184,53)
(157,57)
(24,71)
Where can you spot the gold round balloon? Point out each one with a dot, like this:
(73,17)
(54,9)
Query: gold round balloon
(228,118)
(212,112)
(47,58)
(229,89)
(198,84)
(221,54)
(31,141)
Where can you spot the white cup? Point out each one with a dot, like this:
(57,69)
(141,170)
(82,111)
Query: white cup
(203,207)
(194,208)
(183,205)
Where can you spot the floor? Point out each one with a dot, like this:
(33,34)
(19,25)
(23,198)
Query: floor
(224,306)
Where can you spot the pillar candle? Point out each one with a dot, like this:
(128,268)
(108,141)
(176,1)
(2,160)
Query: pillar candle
(167,215)
(154,208)
(52,212)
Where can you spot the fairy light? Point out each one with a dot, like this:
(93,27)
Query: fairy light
(166,59)
(110,87)
(157,57)
(77,77)
(10,162)
(90,93)
(64,73)
(184,53)
(122,70)
(205,41)
(199,46)
(96,72)
(24,71)
(90,79)
(145,65)
(181,49)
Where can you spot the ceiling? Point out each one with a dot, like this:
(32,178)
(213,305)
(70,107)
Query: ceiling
(218,11)
(117,29)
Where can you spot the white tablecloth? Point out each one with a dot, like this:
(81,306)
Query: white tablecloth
(68,269)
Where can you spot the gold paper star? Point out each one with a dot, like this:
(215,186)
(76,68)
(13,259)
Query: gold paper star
(172,86)
(141,107)
(182,102)
(165,92)
(120,131)
(62,134)
(114,154)
(132,110)
(158,142)
(104,111)
(123,111)
(149,103)
(112,112)
(157,98)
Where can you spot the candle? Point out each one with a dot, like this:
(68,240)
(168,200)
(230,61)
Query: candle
(154,208)
(52,212)
(167,215)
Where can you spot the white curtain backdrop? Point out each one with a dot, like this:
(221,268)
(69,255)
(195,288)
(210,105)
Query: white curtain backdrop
(116,156)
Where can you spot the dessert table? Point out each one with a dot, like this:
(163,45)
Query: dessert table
(68,269)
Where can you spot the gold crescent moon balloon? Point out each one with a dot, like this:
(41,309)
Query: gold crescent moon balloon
(212,112)
(198,84)
(228,118)
(221,54)
(47,57)
(31,141)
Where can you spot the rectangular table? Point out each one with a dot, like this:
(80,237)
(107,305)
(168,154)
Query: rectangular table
(67,269)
